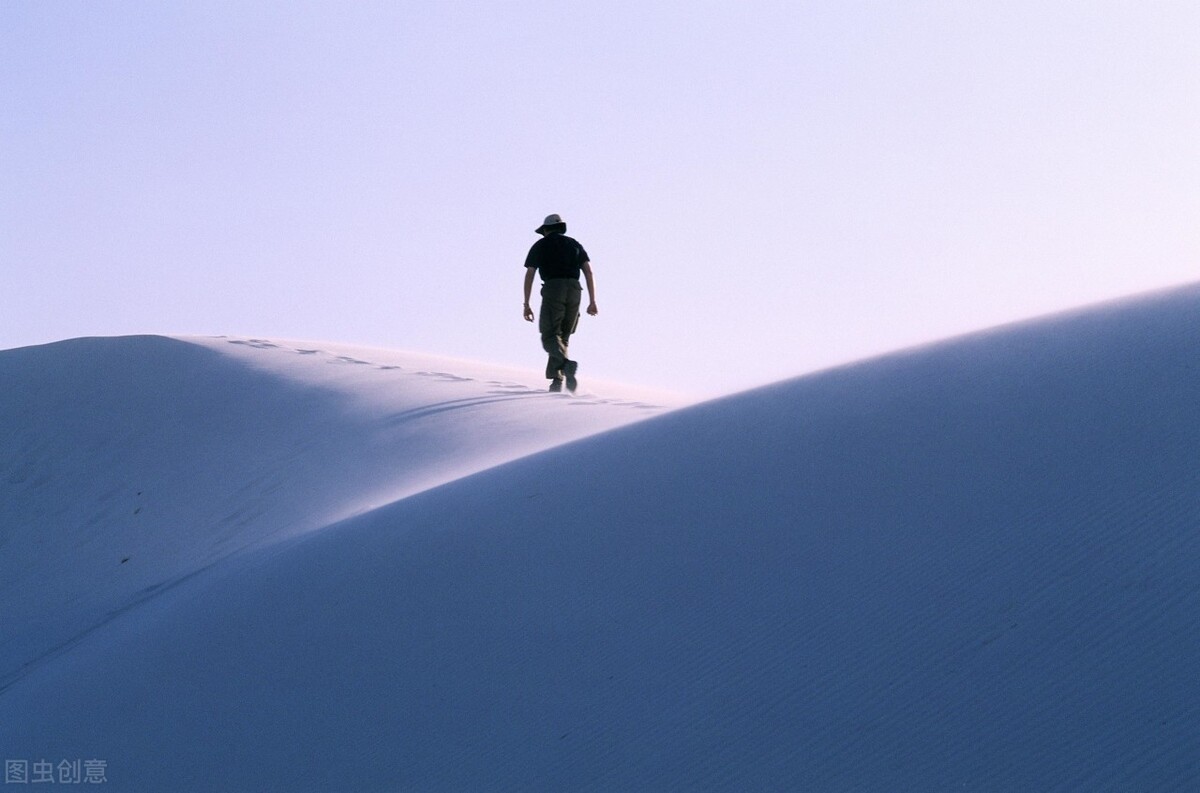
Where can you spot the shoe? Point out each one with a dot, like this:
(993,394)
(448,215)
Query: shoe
(556,386)
(569,369)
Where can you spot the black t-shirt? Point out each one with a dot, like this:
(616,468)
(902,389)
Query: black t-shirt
(557,256)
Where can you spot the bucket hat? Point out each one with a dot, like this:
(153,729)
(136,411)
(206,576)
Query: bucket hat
(553,223)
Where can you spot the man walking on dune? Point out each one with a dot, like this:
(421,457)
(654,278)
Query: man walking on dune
(559,259)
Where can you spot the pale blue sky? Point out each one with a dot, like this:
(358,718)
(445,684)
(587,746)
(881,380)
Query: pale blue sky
(764,187)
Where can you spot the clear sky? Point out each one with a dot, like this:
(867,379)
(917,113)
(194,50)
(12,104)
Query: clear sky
(764,188)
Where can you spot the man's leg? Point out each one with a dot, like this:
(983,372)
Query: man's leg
(569,323)
(550,322)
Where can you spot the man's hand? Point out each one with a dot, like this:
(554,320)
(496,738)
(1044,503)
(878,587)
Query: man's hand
(529,313)
(592,310)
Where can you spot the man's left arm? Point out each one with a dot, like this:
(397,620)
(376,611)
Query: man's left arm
(529,271)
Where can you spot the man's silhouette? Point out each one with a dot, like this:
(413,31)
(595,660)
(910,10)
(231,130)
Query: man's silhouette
(559,259)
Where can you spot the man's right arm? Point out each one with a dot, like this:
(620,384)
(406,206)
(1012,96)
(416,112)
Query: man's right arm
(591,287)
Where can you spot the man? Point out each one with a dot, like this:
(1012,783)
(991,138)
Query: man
(559,259)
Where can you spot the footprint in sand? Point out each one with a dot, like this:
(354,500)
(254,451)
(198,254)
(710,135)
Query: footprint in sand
(446,376)
(261,344)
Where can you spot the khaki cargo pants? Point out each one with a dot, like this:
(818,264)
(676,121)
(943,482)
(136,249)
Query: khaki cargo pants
(557,321)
